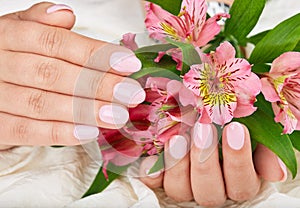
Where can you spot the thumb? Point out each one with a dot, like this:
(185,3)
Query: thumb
(59,15)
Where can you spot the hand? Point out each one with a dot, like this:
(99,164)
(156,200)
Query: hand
(197,174)
(51,78)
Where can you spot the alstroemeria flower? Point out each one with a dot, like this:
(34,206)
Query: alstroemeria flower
(224,85)
(189,26)
(281,86)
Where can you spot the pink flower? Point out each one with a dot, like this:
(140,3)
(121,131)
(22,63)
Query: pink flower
(189,26)
(281,86)
(224,86)
(128,41)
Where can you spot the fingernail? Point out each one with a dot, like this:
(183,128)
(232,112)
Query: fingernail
(58,7)
(235,135)
(203,135)
(152,175)
(178,146)
(283,168)
(129,93)
(113,114)
(83,132)
(125,62)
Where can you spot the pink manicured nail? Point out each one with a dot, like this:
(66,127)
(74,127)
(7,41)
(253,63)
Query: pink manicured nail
(114,114)
(83,132)
(125,62)
(235,135)
(129,93)
(203,135)
(283,168)
(147,165)
(58,7)
(152,175)
(178,147)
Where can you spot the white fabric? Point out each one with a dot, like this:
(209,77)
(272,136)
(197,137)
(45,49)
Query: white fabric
(58,177)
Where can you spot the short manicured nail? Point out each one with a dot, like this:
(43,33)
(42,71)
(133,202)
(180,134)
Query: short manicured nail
(113,114)
(129,93)
(178,146)
(283,168)
(58,7)
(235,135)
(125,62)
(83,132)
(203,135)
(152,175)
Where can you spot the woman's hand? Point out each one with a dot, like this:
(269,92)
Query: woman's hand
(193,169)
(51,78)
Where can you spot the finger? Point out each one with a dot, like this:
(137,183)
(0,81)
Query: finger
(177,183)
(59,76)
(58,15)
(268,165)
(43,105)
(32,37)
(206,174)
(153,180)
(17,130)
(242,182)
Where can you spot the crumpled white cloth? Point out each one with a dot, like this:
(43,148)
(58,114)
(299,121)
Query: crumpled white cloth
(58,177)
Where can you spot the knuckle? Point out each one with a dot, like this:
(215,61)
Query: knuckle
(37,103)
(239,195)
(51,41)
(211,203)
(55,134)
(84,111)
(89,53)
(20,131)
(47,73)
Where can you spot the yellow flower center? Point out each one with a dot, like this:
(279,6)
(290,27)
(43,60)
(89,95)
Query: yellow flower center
(215,90)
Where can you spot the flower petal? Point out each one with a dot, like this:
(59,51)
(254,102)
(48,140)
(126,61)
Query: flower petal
(287,62)
(192,78)
(128,41)
(209,30)
(224,52)
(269,91)
(154,16)
(221,114)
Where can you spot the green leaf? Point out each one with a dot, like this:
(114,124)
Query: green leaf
(258,37)
(264,130)
(260,68)
(295,139)
(244,15)
(165,68)
(172,6)
(154,48)
(284,37)
(159,165)
(189,54)
(100,182)
(297,48)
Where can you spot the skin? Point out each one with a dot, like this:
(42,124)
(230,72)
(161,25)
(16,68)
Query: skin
(210,182)
(42,71)
(224,180)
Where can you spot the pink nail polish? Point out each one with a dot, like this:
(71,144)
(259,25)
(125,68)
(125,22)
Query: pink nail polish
(114,114)
(83,132)
(58,7)
(125,62)
(152,175)
(129,92)
(235,135)
(178,146)
(283,168)
(203,135)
